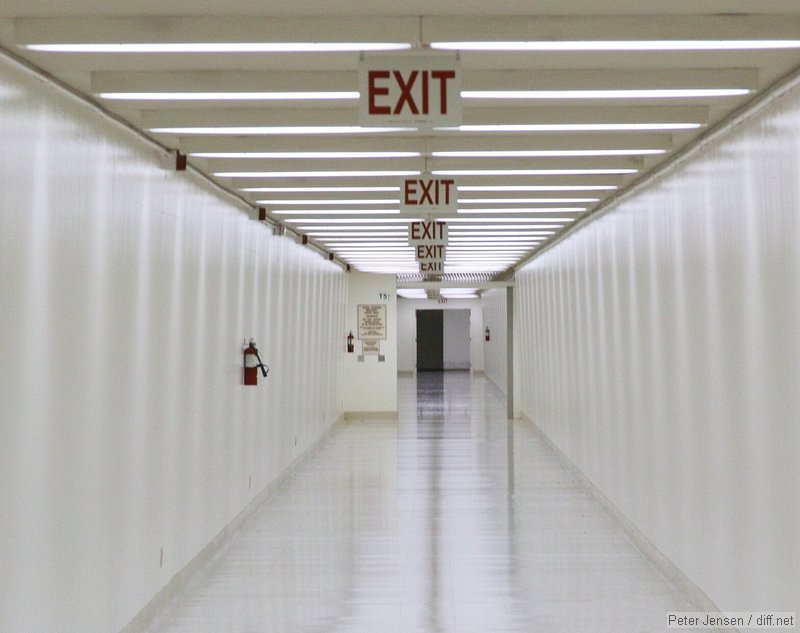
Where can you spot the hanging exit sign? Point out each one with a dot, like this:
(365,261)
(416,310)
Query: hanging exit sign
(419,91)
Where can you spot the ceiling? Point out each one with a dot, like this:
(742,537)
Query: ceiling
(580,136)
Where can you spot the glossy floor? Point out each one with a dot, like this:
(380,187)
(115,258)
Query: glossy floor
(422,526)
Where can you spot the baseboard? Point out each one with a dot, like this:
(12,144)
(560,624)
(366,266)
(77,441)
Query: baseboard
(161,602)
(350,416)
(401,372)
(668,570)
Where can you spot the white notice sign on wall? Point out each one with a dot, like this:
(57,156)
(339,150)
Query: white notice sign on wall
(372,322)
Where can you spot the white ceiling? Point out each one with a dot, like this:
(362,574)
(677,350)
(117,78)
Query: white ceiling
(418,23)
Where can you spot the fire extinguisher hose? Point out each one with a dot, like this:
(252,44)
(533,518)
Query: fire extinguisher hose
(264,368)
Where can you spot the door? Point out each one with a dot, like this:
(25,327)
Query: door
(430,340)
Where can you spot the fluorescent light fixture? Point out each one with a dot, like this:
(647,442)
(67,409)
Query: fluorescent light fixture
(547,153)
(454,222)
(386,269)
(473,188)
(461,241)
(228,96)
(605,94)
(328,201)
(220,47)
(352,243)
(454,233)
(501,227)
(571,127)
(523,200)
(319,189)
(359,234)
(337,211)
(302,155)
(532,172)
(619,45)
(347,230)
(527,210)
(411,293)
(278,130)
(314,174)
(333,221)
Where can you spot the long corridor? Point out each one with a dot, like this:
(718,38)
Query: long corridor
(449,520)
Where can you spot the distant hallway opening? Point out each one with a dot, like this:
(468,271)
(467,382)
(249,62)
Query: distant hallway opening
(442,340)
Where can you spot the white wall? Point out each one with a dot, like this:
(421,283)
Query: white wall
(493,305)
(660,350)
(407,329)
(125,293)
(370,386)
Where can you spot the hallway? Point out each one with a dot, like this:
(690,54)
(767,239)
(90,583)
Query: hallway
(408,528)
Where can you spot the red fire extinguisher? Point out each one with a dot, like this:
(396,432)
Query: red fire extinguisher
(252,363)
(350,346)
(486,335)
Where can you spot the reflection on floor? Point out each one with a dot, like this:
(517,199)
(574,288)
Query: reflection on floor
(409,527)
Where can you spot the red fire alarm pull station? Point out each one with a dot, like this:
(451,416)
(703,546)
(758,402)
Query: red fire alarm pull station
(252,363)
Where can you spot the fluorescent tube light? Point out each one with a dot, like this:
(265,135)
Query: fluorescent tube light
(333,221)
(532,172)
(527,210)
(472,188)
(220,47)
(547,153)
(319,189)
(346,230)
(337,211)
(278,130)
(228,96)
(523,200)
(456,233)
(313,174)
(619,45)
(302,155)
(571,127)
(501,227)
(453,222)
(360,234)
(328,201)
(605,94)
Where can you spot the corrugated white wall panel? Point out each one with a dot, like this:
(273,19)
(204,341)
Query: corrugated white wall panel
(659,349)
(125,293)
(493,303)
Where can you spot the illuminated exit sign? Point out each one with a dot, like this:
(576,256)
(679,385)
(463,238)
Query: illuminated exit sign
(409,90)
(429,239)
(426,194)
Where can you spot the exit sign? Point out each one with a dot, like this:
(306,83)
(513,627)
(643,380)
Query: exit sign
(428,194)
(429,239)
(412,90)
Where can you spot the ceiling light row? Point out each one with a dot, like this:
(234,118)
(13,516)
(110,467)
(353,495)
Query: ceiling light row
(338,47)
(648,93)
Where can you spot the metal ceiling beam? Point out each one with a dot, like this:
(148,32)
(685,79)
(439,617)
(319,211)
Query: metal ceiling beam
(402,29)
(188,29)
(612,27)
(534,79)
(427,145)
(278,165)
(201,117)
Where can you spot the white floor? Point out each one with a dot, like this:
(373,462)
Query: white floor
(409,527)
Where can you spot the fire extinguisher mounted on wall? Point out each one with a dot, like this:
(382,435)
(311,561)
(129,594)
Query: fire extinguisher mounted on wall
(350,345)
(252,363)
(486,334)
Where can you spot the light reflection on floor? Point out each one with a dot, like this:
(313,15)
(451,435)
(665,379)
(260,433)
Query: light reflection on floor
(409,527)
